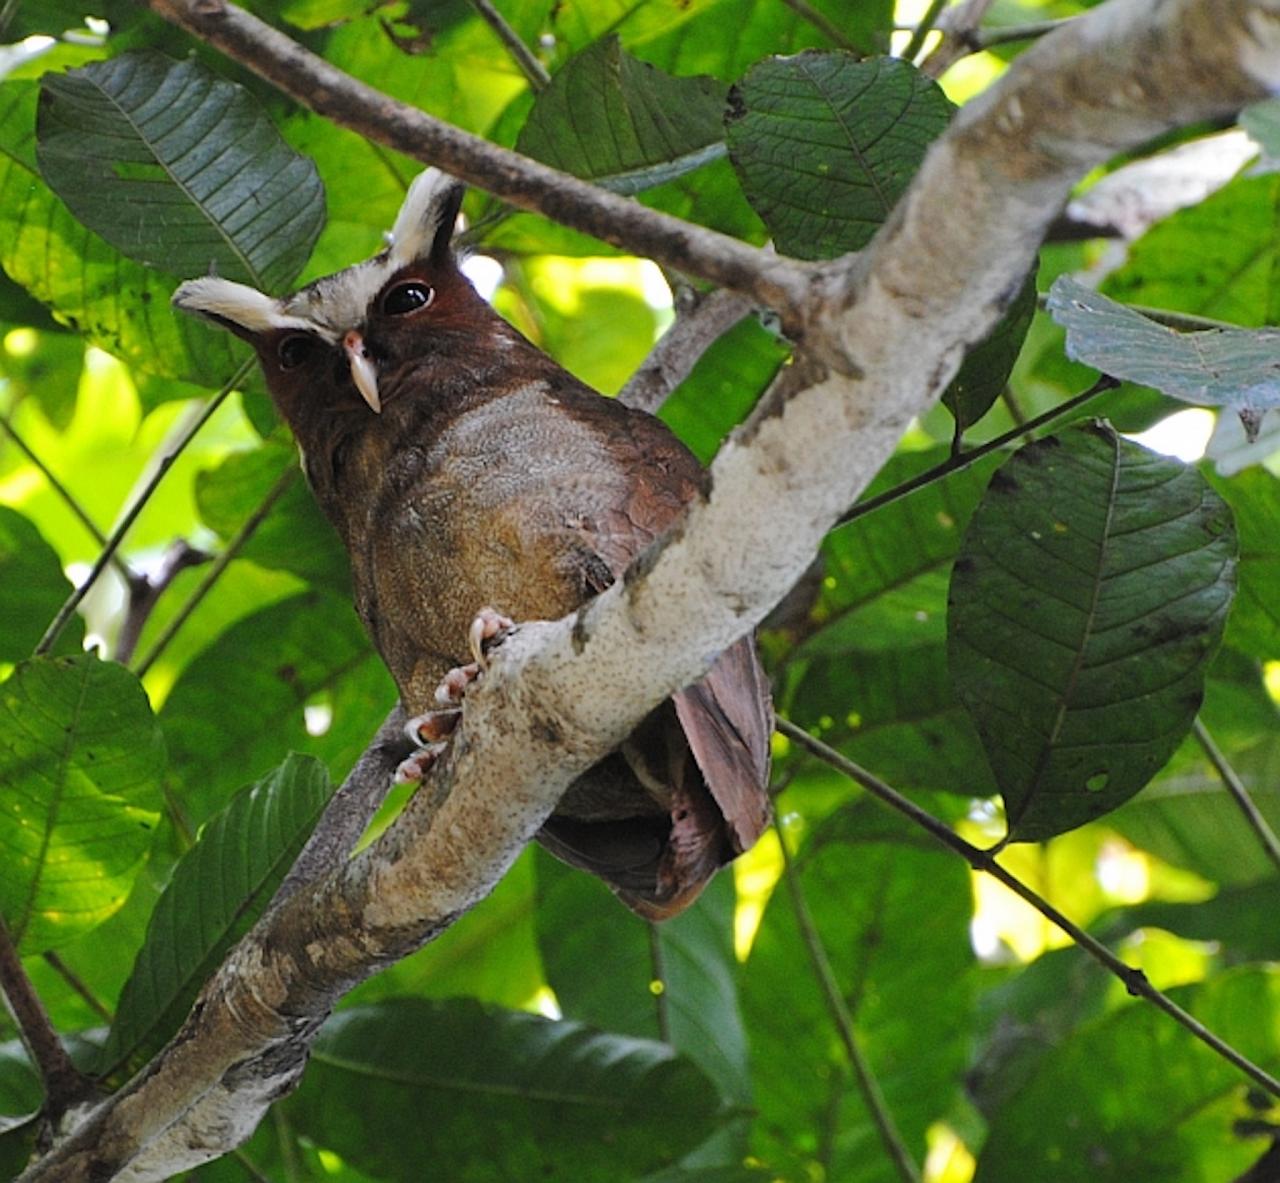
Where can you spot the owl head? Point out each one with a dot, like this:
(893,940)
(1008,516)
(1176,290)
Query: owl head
(343,338)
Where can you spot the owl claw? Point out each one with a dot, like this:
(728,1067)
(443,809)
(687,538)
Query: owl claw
(417,766)
(487,630)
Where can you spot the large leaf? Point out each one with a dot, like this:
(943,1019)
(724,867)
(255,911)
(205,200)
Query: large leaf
(607,116)
(119,305)
(1172,1119)
(893,914)
(1091,591)
(825,144)
(241,703)
(178,169)
(32,589)
(483,1094)
(81,759)
(1254,498)
(218,889)
(1236,368)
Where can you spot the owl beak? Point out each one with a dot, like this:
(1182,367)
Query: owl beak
(363,372)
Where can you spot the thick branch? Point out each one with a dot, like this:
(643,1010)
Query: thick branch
(883,335)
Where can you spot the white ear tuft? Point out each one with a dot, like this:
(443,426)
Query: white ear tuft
(235,306)
(425,222)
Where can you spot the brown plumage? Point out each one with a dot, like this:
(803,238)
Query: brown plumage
(489,475)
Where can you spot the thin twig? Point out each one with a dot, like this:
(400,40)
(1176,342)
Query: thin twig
(962,460)
(868,1085)
(68,975)
(1236,787)
(923,29)
(980,39)
(1135,981)
(126,522)
(220,564)
(658,967)
(806,12)
(523,56)
(68,499)
(63,1082)
(960,23)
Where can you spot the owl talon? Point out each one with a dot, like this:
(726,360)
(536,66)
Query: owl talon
(487,630)
(433,727)
(418,765)
(453,686)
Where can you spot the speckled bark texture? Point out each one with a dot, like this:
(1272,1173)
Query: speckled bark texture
(880,336)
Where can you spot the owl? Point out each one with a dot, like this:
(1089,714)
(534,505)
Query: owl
(464,468)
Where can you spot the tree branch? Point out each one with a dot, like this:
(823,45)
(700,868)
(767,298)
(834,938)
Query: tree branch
(881,335)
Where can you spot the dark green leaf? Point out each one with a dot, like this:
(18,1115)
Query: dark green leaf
(490,1094)
(178,170)
(1091,591)
(32,589)
(987,366)
(1237,920)
(606,115)
(218,889)
(241,702)
(20,1091)
(825,144)
(1235,368)
(1254,498)
(118,305)
(81,759)
(1171,1121)
(893,914)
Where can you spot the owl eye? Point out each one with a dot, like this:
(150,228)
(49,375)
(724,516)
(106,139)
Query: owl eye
(407,297)
(295,349)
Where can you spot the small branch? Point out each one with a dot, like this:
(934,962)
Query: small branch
(220,564)
(67,498)
(923,29)
(980,39)
(1236,787)
(320,87)
(868,1085)
(658,968)
(678,349)
(961,22)
(54,631)
(68,975)
(63,1083)
(806,12)
(530,67)
(1135,981)
(961,460)
(146,593)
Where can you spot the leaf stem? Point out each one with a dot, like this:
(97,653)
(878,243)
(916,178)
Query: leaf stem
(806,12)
(63,1082)
(220,564)
(923,29)
(658,967)
(68,975)
(54,631)
(868,1086)
(961,460)
(1236,787)
(1135,981)
(530,67)
(66,496)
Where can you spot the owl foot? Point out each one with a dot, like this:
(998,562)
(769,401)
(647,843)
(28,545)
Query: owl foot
(487,630)
(417,766)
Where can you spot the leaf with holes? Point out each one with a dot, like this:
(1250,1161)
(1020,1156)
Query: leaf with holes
(825,144)
(178,169)
(1090,592)
(81,759)
(219,887)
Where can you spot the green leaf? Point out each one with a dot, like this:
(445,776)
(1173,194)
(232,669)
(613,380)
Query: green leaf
(178,169)
(1173,1119)
(32,589)
(674,981)
(117,304)
(242,701)
(893,914)
(218,889)
(81,759)
(1091,591)
(825,144)
(1254,498)
(20,1092)
(987,366)
(1237,920)
(607,116)
(293,537)
(1235,368)
(494,1094)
